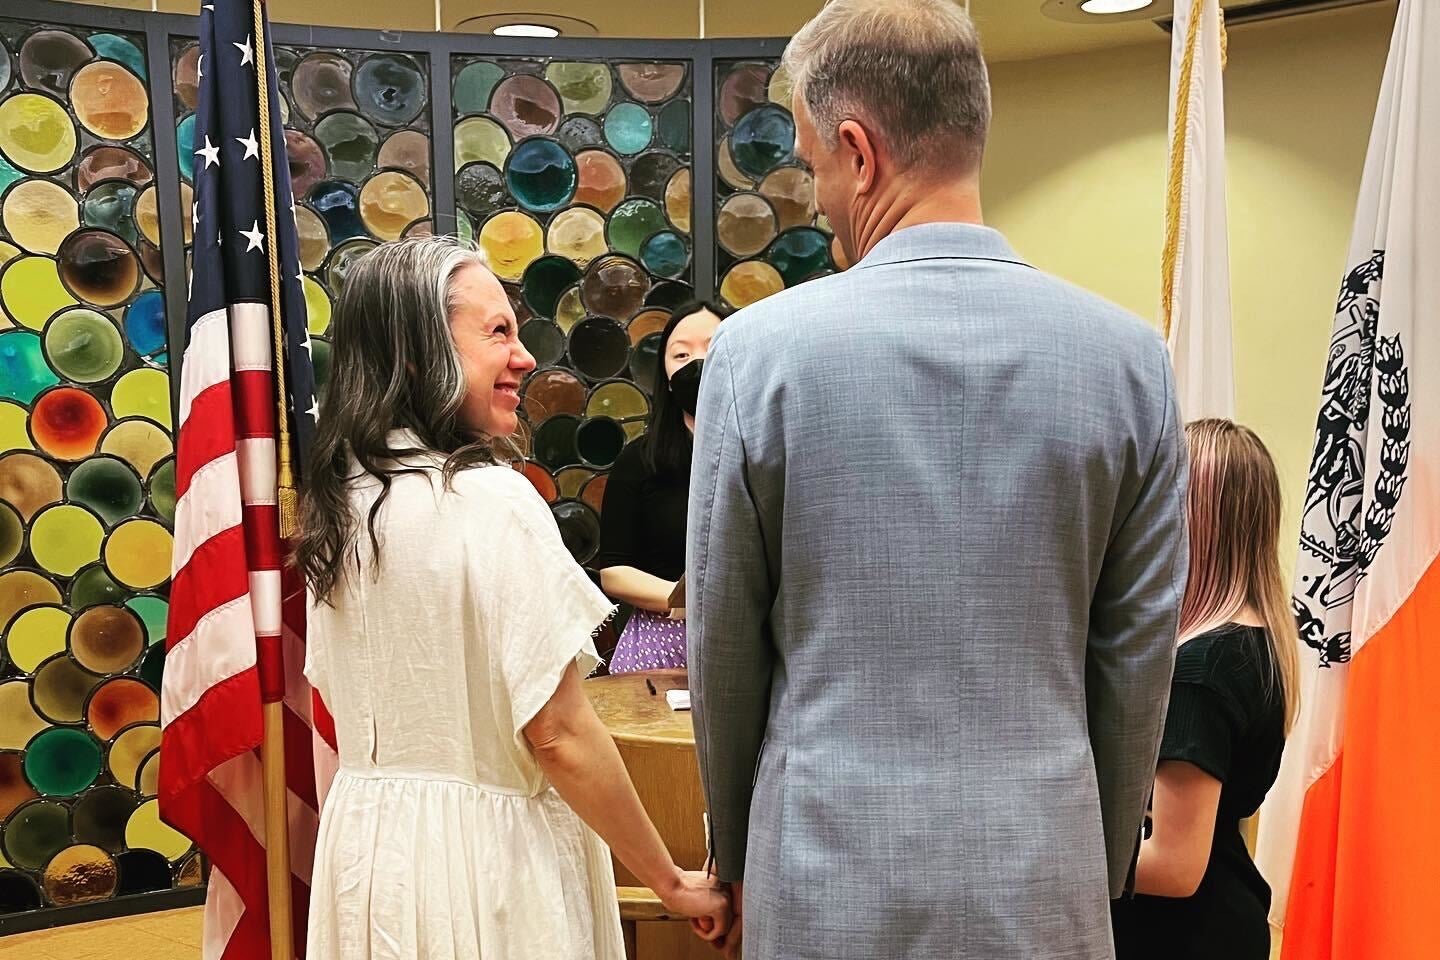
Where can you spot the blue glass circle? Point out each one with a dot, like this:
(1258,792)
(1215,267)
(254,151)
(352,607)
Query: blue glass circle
(799,254)
(628,128)
(185,147)
(541,175)
(111,47)
(8,174)
(665,255)
(145,323)
(338,204)
(762,140)
(23,370)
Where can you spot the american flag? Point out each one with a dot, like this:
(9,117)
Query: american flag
(237,615)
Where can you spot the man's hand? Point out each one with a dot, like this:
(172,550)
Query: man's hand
(729,944)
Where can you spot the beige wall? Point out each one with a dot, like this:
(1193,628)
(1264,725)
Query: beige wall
(1075,177)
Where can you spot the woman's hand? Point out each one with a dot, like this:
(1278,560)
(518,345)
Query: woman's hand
(701,898)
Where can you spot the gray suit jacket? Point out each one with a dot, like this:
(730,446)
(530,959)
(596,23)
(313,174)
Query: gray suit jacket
(936,555)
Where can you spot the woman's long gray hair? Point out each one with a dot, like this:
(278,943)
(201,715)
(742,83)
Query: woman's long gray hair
(394,367)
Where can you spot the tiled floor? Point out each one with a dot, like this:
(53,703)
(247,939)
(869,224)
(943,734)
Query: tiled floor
(174,935)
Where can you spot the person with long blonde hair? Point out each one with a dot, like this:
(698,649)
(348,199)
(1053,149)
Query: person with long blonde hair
(1234,696)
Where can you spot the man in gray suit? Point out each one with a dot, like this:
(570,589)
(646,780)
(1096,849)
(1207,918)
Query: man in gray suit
(936,548)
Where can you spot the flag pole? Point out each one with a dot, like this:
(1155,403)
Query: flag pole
(272,747)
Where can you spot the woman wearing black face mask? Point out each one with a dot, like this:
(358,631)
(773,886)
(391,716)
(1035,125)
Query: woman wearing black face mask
(642,531)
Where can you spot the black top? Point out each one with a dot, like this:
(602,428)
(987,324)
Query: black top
(1225,719)
(643,521)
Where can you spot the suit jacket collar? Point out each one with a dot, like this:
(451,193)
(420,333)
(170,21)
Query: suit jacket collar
(933,241)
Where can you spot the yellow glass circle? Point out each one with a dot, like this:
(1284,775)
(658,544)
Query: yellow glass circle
(569,310)
(18,719)
(317,305)
(781,88)
(147,214)
(139,443)
(109,100)
(314,237)
(750,282)
(677,199)
(32,291)
(36,635)
(147,781)
(8,252)
(23,588)
(80,874)
(730,173)
(40,214)
(129,751)
(13,435)
(65,537)
(577,234)
(145,831)
(512,241)
(480,138)
(143,393)
(390,201)
(35,133)
(138,554)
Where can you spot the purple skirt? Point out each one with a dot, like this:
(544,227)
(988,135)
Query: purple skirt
(649,642)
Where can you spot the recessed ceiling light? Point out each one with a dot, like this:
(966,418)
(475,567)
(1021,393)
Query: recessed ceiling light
(535,30)
(1114,6)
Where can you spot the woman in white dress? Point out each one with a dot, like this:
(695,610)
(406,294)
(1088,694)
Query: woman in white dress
(449,631)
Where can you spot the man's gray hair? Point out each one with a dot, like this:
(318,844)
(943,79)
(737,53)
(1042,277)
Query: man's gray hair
(910,70)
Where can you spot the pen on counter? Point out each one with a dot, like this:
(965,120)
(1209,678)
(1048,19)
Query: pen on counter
(650,686)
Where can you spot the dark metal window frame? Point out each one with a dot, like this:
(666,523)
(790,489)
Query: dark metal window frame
(160,28)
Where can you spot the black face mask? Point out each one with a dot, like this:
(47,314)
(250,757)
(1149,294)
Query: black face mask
(685,386)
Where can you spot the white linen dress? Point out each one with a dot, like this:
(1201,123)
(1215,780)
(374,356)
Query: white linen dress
(440,837)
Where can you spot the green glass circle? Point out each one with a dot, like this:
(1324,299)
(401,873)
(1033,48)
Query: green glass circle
(93,585)
(351,143)
(473,86)
(541,175)
(628,128)
(36,832)
(111,205)
(631,223)
(23,370)
(162,488)
(800,254)
(83,345)
(153,612)
(480,189)
(665,254)
(544,282)
(12,533)
(673,125)
(108,487)
(60,762)
(584,87)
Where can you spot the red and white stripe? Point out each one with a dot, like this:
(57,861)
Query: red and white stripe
(236,638)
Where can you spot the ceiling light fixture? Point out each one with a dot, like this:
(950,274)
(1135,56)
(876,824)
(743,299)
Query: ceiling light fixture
(1102,7)
(525,30)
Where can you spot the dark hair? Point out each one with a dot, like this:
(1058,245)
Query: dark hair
(668,443)
(392,320)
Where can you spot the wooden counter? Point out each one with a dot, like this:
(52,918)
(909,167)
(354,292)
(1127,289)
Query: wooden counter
(658,747)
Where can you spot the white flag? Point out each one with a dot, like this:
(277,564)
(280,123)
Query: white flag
(1196,281)
(1350,835)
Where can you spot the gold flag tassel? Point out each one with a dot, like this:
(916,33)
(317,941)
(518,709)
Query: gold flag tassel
(1175,179)
(289,498)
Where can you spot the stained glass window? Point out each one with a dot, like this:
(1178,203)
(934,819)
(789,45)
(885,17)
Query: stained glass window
(768,235)
(87,473)
(357,132)
(574,177)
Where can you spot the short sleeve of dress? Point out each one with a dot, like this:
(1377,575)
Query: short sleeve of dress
(1203,721)
(544,610)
